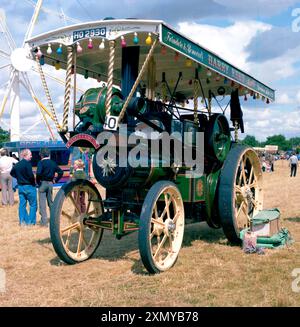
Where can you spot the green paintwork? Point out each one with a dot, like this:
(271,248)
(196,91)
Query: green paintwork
(91,106)
(184,185)
(210,192)
(221,141)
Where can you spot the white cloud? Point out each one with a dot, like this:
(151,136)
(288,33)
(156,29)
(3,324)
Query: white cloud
(271,121)
(284,98)
(277,69)
(298,97)
(227,42)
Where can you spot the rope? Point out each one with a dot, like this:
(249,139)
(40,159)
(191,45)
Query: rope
(236,131)
(137,81)
(196,95)
(74,89)
(67,90)
(111,62)
(44,83)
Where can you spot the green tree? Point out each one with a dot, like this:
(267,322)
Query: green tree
(294,143)
(4,136)
(279,140)
(250,140)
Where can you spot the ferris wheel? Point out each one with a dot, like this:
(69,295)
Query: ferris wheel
(16,62)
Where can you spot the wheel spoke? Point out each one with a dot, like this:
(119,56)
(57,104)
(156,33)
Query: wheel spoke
(240,177)
(69,228)
(75,204)
(157,222)
(254,184)
(165,210)
(246,213)
(68,238)
(243,172)
(167,202)
(89,204)
(66,215)
(251,175)
(151,235)
(240,208)
(174,220)
(85,242)
(160,246)
(155,211)
(79,242)
(254,203)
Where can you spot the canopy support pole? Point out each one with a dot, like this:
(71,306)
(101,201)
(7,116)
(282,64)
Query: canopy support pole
(112,45)
(74,88)
(196,95)
(64,128)
(236,131)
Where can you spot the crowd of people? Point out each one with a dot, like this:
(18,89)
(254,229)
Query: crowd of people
(48,173)
(267,162)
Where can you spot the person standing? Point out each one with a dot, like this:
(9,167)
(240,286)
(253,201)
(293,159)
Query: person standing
(6,164)
(22,171)
(48,172)
(293,164)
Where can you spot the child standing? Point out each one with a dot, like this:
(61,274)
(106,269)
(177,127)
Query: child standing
(79,173)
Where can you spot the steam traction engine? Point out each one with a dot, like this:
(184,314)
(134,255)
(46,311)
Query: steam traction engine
(151,80)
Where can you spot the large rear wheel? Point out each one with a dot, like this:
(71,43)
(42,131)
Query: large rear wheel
(161,227)
(72,240)
(240,193)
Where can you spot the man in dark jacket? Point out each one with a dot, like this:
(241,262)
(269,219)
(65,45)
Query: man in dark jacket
(48,172)
(22,171)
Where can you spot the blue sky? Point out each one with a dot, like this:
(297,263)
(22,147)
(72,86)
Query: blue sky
(254,35)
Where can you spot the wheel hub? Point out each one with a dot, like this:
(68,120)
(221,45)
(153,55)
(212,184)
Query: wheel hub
(169,227)
(247,193)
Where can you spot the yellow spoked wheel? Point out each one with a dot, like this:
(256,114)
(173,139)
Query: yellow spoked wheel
(240,193)
(72,240)
(161,227)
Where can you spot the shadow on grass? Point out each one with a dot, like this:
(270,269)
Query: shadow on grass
(201,231)
(112,249)
(44,241)
(294,219)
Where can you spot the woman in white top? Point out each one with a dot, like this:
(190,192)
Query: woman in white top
(6,164)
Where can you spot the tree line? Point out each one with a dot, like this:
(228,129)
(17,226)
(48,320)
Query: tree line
(280,140)
(4,136)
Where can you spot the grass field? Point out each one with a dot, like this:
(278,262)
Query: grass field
(209,272)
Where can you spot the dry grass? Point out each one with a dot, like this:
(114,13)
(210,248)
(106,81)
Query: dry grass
(208,272)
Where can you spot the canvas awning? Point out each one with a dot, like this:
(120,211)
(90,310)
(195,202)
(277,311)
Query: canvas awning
(175,54)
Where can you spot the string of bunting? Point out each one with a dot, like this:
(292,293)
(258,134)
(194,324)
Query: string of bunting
(148,41)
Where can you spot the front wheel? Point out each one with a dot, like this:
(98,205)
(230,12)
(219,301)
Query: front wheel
(72,240)
(161,227)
